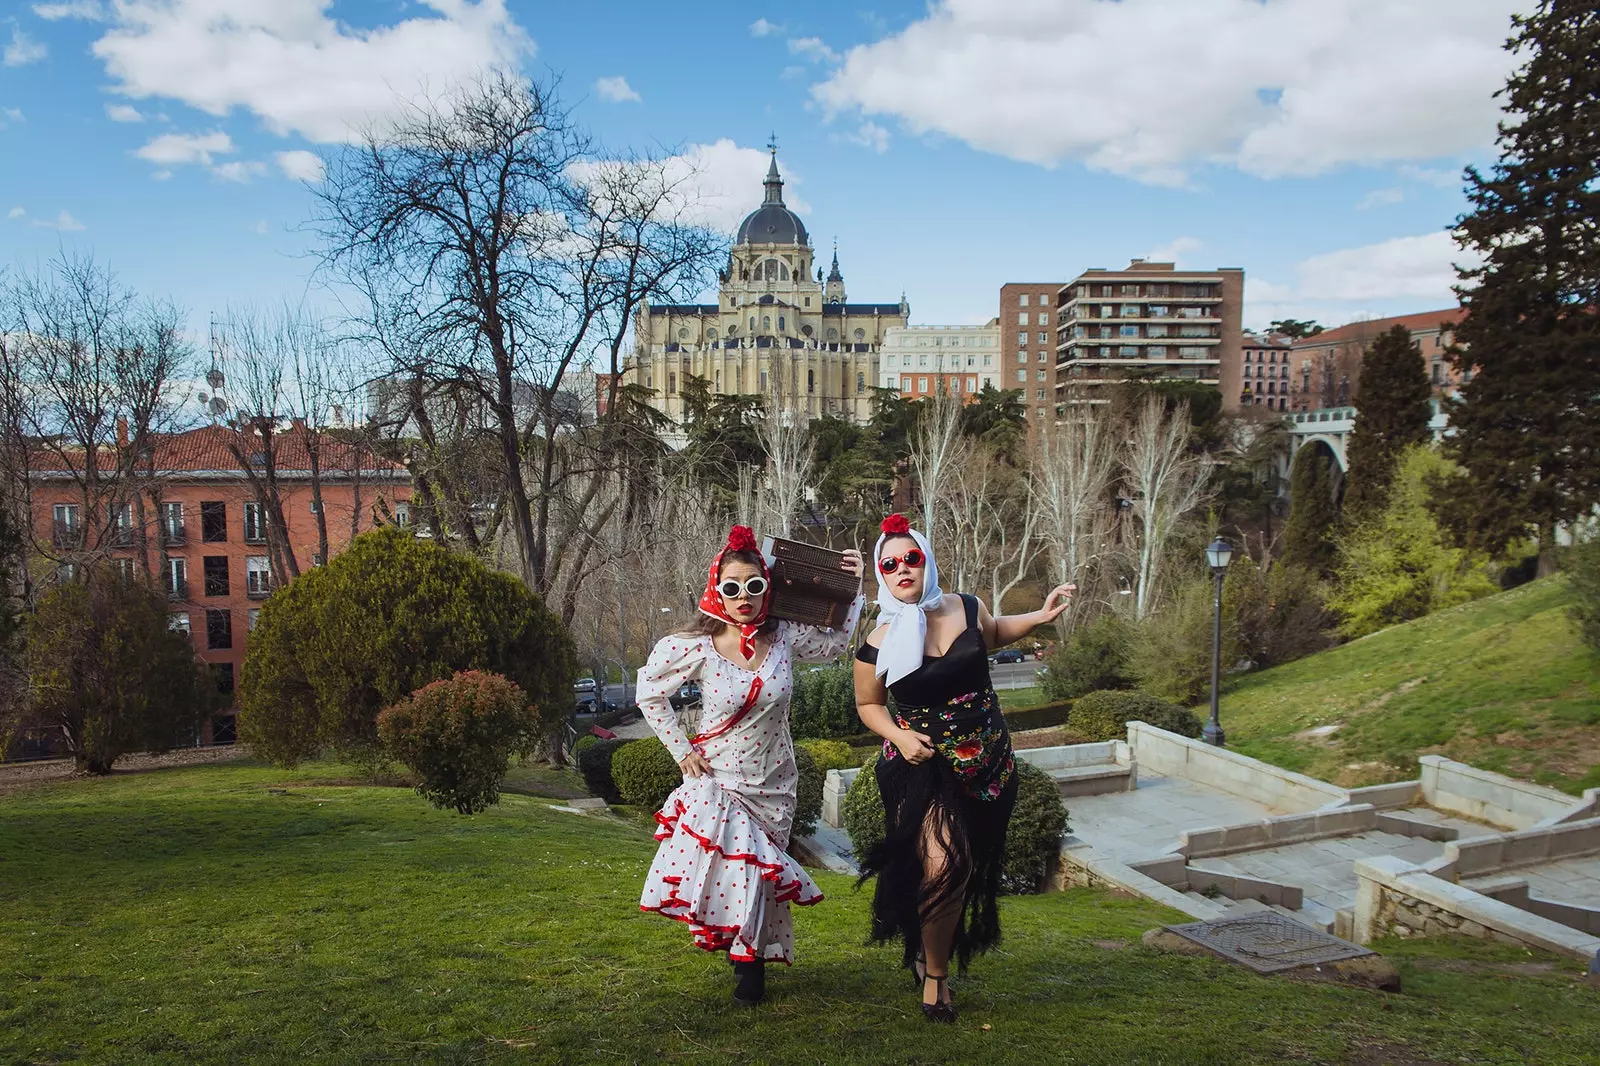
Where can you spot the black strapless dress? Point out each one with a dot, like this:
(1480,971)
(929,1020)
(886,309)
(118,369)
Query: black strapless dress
(966,792)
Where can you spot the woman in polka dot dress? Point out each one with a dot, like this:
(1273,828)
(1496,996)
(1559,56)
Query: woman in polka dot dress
(721,867)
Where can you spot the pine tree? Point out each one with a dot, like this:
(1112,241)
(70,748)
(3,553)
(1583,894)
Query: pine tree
(1392,414)
(1527,424)
(1308,538)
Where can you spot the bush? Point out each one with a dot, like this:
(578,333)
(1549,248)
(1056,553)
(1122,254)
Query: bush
(1171,654)
(594,763)
(1032,841)
(645,773)
(808,793)
(824,702)
(1105,715)
(1273,615)
(1094,657)
(583,742)
(1583,570)
(380,621)
(1043,717)
(103,666)
(458,736)
(829,754)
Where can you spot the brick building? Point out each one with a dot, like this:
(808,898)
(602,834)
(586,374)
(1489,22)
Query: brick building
(1326,369)
(196,522)
(1028,344)
(1265,370)
(1150,320)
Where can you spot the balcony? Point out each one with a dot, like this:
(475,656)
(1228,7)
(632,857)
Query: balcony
(177,588)
(173,536)
(66,535)
(255,536)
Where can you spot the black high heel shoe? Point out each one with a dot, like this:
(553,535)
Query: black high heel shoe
(752,986)
(940,1010)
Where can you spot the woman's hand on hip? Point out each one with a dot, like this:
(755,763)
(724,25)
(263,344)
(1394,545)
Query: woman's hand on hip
(694,765)
(916,747)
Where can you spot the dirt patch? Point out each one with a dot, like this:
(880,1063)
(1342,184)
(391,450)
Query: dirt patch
(1110,945)
(17,776)
(1384,1054)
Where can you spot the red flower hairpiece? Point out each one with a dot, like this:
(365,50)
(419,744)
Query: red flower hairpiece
(741,539)
(895,525)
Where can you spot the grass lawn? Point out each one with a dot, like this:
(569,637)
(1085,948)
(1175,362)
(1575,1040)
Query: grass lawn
(196,915)
(1503,683)
(1020,699)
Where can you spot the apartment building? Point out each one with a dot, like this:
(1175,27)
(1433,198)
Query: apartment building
(193,520)
(1028,344)
(919,361)
(1326,368)
(1265,371)
(1149,321)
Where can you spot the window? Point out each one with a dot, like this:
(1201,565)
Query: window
(1041,396)
(1044,338)
(1022,318)
(66,573)
(719,381)
(64,531)
(126,571)
(223,673)
(1157,311)
(905,384)
(219,629)
(172,523)
(861,382)
(811,381)
(254,617)
(955,385)
(216,575)
(763,381)
(255,523)
(214,522)
(833,334)
(1128,331)
(808,301)
(1127,351)
(972,384)
(178,622)
(1044,357)
(122,524)
(672,382)
(1022,301)
(766,321)
(922,384)
(257,576)
(1022,338)
(1022,374)
(1044,299)
(1155,331)
(988,359)
(1157,351)
(1130,310)
(780,322)
(1044,318)
(1042,374)
(922,360)
(861,334)
(177,579)
(1022,357)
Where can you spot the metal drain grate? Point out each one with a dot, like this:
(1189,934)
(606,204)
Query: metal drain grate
(1268,942)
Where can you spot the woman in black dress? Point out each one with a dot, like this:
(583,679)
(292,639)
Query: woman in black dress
(947,773)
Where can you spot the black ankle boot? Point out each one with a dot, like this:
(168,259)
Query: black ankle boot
(752,986)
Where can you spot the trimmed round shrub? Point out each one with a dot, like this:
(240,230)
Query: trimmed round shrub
(829,754)
(1105,715)
(808,793)
(458,735)
(594,763)
(862,809)
(1033,840)
(583,742)
(645,772)
(378,622)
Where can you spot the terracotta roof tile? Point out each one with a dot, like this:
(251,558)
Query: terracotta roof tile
(1421,321)
(209,449)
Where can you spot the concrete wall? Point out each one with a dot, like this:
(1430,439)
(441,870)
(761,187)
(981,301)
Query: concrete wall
(1177,756)
(1488,797)
(1479,856)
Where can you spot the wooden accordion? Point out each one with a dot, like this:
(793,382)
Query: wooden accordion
(809,584)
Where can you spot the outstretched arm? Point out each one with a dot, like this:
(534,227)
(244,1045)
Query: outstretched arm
(998,631)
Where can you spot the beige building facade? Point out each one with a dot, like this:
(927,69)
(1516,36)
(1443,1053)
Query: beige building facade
(780,328)
(921,361)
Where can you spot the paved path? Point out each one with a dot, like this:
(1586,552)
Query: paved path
(1568,880)
(1145,823)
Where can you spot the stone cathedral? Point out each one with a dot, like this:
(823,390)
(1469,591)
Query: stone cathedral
(780,329)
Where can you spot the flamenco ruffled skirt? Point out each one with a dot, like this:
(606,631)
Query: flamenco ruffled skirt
(718,871)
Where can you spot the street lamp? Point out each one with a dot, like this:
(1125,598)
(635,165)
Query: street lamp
(1219,553)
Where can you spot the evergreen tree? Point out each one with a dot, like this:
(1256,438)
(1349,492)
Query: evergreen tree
(1527,424)
(1313,513)
(1393,414)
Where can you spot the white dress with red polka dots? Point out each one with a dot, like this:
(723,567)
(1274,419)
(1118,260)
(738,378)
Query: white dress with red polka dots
(721,867)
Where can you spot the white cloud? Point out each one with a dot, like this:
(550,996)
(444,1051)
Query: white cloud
(23,49)
(616,90)
(1443,179)
(16,212)
(63,221)
(91,10)
(718,184)
(871,135)
(123,113)
(763,28)
(173,149)
(241,171)
(813,48)
(1176,251)
(1288,87)
(300,165)
(9,115)
(296,67)
(260,228)
(1342,285)
(1381,198)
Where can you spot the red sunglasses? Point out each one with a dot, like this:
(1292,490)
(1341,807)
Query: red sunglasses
(913,560)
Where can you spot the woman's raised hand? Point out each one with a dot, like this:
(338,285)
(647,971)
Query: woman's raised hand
(852,562)
(694,765)
(916,747)
(1052,609)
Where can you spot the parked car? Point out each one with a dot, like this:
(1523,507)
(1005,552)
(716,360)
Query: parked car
(1007,655)
(584,684)
(593,704)
(688,693)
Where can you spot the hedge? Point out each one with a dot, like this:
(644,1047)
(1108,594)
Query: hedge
(1105,715)
(594,763)
(829,754)
(1032,841)
(645,772)
(808,793)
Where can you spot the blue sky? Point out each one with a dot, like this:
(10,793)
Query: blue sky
(950,146)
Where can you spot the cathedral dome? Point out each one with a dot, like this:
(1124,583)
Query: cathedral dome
(772,222)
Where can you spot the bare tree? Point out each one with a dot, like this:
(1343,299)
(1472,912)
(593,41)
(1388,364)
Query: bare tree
(935,445)
(986,529)
(785,437)
(1167,482)
(506,254)
(1069,483)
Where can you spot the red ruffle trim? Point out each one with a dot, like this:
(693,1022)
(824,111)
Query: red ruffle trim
(786,893)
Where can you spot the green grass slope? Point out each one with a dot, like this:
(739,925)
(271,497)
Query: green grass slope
(197,916)
(1503,683)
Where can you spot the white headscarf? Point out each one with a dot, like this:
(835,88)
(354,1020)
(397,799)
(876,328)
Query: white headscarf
(908,622)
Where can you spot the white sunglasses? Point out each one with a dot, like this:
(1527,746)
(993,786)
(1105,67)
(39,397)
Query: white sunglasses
(733,589)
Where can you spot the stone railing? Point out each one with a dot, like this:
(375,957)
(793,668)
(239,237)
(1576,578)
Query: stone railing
(1487,796)
(1178,756)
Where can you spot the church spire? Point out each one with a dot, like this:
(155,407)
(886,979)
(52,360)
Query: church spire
(774,183)
(834,275)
